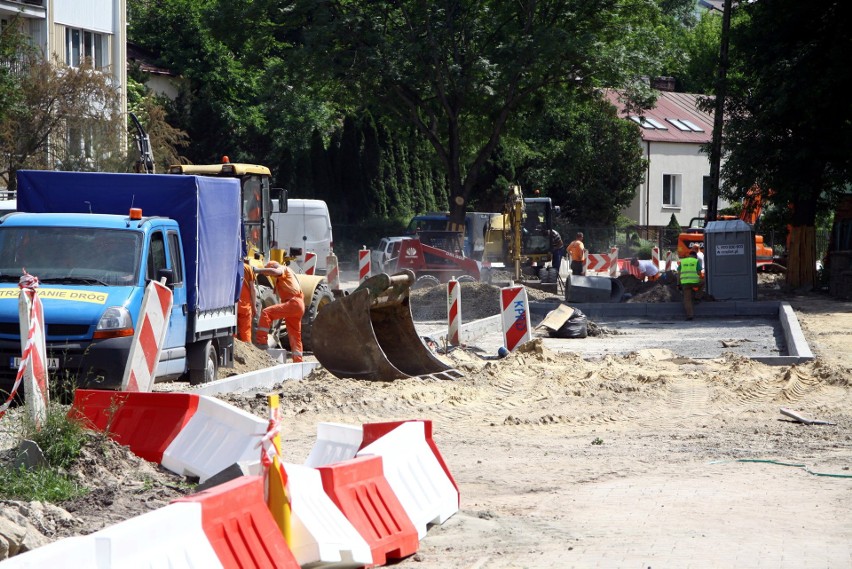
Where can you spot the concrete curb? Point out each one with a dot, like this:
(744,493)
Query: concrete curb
(257,379)
(797,346)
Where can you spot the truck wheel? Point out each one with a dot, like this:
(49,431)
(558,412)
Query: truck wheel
(322,296)
(210,364)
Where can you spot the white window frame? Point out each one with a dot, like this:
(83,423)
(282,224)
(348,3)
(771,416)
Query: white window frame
(88,44)
(671,184)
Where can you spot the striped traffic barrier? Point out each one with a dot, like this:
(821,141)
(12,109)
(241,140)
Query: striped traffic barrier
(147,423)
(416,477)
(335,442)
(148,338)
(240,527)
(375,431)
(216,436)
(515,317)
(309,265)
(332,271)
(655,257)
(453,312)
(363,264)
(613,262)
(320,533)
(32,369)
(598,262)
(668,261)
(358,487)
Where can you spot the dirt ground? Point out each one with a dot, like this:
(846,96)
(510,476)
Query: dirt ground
(564,462)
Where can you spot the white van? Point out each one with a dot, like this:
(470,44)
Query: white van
(306,225)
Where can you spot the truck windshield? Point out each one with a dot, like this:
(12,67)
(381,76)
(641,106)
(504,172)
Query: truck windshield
(70,255)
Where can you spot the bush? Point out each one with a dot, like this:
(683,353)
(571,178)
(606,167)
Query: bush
(61,439)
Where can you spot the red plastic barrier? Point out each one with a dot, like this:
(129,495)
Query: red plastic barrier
(375,431)
(359,488)
(240,527)
(145,422)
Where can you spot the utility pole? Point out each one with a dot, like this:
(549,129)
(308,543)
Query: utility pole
(719,115)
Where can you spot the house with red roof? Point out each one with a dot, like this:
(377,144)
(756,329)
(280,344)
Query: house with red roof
(677,176)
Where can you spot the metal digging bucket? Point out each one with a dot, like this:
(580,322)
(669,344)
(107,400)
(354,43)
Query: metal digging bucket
(370,333)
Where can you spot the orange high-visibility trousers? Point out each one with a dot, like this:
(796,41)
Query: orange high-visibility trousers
(244,318)
(291,311)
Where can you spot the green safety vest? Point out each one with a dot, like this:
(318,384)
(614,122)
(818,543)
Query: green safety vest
(689,271)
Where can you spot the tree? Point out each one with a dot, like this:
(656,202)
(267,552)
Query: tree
(586,158)
(459,70)
(166,140)
(65,117)
(788,127)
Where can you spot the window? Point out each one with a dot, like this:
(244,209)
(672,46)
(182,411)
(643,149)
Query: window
(705,191)
(80,44)
(174,253)
(671,190)
(156,255)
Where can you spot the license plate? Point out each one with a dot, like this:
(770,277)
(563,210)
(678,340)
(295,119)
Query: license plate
(52,363)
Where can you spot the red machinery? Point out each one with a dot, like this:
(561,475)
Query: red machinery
(434,265)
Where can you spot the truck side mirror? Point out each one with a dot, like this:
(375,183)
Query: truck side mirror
(167,274)
(280,194)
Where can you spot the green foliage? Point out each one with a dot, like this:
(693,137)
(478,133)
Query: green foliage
(587,159)
(38,484)
(60,438)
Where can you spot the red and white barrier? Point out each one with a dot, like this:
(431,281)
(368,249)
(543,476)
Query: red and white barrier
(240,527)
(515,316)
(188,434)
(453,312)
(598,262)
(216,436)
(320,533)
(655,257)
(148,338)
(668,261)
(359,488)
(415,475)
(332,274)
(335,442)
(613,262)
(363,264)
(309,264)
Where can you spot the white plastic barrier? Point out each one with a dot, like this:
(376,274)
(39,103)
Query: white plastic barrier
(423,488)
(335,442)
(68,552)
(217,436)
(171,536)
(321,536)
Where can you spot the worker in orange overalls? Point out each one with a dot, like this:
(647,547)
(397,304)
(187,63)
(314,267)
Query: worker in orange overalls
(291,309)
(246,306)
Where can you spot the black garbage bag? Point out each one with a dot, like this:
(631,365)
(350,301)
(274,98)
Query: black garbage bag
(577,326)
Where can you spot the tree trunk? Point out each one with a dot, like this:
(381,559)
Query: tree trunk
(801,257)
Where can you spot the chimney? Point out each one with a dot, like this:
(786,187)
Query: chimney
(663,83)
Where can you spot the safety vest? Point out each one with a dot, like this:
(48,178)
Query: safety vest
(689,271)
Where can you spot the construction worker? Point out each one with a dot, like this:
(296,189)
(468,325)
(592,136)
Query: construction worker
(689,277)
(577,251)
(246,307)
(291,309)
(647,269)
(557,248)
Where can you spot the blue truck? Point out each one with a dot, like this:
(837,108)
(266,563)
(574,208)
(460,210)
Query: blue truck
(94,240)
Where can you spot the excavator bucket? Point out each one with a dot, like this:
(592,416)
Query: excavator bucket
(370,334)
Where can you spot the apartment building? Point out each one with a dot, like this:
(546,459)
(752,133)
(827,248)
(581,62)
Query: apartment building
(71,31)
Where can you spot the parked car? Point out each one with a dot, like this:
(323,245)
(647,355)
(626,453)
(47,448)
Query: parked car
(383,258)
